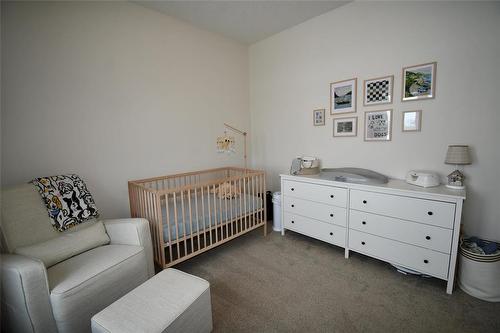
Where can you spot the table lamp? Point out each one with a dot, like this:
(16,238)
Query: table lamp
(458,155)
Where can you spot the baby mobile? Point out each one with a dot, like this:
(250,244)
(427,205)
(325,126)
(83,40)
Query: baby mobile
(226,143)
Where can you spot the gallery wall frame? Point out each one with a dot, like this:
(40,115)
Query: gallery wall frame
(378,125)
(345,127)
(378,91)
(343,96)
(418,82)
(411,121)
(319,117)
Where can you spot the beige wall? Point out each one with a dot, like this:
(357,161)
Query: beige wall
(113,91)
(291,71)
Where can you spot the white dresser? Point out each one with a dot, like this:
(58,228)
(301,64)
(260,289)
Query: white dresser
(396,222)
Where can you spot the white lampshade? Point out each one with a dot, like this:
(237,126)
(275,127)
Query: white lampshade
(458,154)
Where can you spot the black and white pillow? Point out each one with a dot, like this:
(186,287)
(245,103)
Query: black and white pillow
(68,200)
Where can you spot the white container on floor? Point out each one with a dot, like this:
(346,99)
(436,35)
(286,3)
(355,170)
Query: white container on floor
(277,211)
(478,276)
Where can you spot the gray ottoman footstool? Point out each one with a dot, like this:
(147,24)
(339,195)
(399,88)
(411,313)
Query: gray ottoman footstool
(171,301)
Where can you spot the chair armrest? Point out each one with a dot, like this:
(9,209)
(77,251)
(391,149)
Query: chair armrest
(132,232)
(25,295)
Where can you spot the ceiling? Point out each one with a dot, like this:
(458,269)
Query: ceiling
(244,21)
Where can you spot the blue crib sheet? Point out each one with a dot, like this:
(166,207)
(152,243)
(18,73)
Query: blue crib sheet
(221,207)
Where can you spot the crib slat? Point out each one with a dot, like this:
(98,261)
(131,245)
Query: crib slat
(184,224)
(209,215)
(264,204)
(148,205)
(154,228)
(231,204)
(263,199)
(152,219)
(241,206)
(256,200)
(152,225)
(190,219)
(254,213)
(221,217)
(204,218)
(197,218)
(215,214)
(245,201)
(176,224)
(167,220)
(159,226)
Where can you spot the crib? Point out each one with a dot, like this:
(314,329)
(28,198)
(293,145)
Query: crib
(193,212)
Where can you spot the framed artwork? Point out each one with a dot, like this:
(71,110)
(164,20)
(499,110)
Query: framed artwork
(378,91)
(419,82)
(345,126)
(319,117)
(412,121)
(378,125)
(343,96)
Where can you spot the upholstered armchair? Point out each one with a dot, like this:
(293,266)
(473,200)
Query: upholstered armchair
(56,281)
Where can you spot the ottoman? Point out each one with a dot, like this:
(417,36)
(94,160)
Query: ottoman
(171,301)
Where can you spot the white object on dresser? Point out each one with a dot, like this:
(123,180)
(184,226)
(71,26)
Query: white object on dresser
(422,178)
(414,227)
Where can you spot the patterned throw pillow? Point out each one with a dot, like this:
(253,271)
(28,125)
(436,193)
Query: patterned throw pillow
(68,200)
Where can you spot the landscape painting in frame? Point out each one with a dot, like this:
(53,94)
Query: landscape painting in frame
(345,126)
(419,82)
(319,117)
(378,91)
(378,125)
(343,96)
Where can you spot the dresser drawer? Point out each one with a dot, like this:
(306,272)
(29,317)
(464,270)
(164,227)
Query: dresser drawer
(430,237)
(326,232)
(326,194)
(315,210)
(422,260)
(436,213)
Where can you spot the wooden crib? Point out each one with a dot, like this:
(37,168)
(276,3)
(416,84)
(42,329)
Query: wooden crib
(188,214)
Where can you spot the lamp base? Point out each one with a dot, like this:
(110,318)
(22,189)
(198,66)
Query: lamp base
(455,187)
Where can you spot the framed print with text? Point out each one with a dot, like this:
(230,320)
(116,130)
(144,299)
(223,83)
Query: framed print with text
(378,125)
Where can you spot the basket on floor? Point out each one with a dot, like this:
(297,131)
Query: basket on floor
(479,274)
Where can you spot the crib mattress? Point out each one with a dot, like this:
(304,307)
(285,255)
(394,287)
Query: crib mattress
(220,212)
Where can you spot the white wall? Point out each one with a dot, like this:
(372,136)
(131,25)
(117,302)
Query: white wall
(291,71)
(114,91)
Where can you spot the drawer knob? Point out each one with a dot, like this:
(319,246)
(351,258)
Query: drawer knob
(331,215)
(426,261)
(430,213)
(364,222)
(293,221)
(364,201)
(331,233)
(428,237)
(362,243)
(331,195)
(293,206)
(292,189)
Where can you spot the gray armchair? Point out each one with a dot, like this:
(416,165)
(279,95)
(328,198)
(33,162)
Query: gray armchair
(62,297)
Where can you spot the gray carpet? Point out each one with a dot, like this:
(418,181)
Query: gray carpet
(297,284)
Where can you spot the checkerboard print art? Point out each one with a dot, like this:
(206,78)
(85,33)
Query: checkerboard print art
(378,91)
